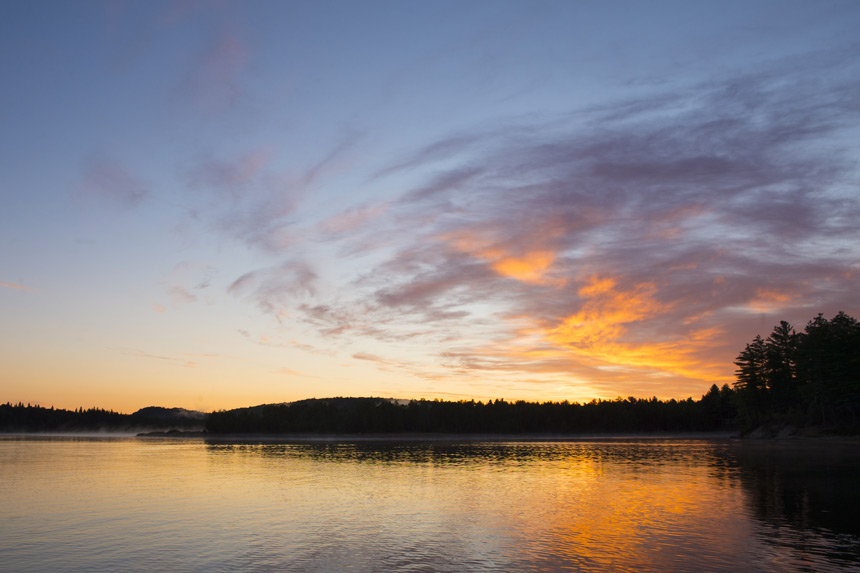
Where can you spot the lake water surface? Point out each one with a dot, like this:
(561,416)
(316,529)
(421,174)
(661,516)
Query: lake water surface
(111,504)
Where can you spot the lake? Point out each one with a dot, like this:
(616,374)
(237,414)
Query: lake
(146,504)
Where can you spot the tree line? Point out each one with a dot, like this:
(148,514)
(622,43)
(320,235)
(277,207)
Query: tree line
(808,378)
(714,411)
(28,418)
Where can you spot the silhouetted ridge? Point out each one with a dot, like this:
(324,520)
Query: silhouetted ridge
(21,418)
(157,413)
(713,412)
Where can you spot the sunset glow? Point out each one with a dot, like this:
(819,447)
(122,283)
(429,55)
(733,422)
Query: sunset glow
(222,204)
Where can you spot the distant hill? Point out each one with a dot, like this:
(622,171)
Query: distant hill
(159,415)
(21,418)
(346,403)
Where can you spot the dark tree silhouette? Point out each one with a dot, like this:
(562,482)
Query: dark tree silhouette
(21,418)
(802,379)
(715,411)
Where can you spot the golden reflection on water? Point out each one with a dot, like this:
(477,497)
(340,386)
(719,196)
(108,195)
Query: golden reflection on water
(618,505)
(167,504)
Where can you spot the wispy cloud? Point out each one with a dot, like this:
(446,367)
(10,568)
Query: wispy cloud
(229,179)
(369,357)
(16,286)
(186,282)
(108,180)
(273,342)
(141,354)
(213,84)
(352,220)
(289,372)
(254,197)
(275,289)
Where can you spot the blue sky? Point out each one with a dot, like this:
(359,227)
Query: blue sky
(217,204)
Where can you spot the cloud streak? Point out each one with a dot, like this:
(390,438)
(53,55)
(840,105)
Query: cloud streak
(213,82)
(110,181)
(275,289)
(17,286)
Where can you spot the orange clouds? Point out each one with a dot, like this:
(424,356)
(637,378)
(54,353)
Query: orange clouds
(768,300)
(603,316)
(622,338)
(604,331)
(531,267)
(609,330)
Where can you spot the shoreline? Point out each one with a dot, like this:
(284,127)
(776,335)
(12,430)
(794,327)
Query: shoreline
(430,437)
(308,438)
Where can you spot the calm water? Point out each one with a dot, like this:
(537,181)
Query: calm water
(109,504)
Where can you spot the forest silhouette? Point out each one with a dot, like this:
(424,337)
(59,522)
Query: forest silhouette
(29,418)
(802,379)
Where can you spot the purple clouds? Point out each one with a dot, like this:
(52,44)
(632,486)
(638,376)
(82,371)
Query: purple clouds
(642,241)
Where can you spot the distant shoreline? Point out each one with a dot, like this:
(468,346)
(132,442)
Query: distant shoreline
(462,438)
(431,437)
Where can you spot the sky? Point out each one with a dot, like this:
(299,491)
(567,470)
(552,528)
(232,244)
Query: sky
(220,204)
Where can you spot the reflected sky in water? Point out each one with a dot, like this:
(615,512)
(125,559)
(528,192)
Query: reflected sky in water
(395,505)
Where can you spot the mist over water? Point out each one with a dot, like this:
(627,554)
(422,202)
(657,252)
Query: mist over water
(71,504)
